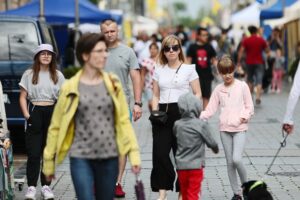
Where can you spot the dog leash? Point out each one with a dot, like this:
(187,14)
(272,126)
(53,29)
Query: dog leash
(282,145)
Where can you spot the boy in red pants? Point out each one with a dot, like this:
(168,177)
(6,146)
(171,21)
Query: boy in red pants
(191,134)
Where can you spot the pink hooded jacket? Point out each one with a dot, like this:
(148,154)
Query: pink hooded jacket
(235,103)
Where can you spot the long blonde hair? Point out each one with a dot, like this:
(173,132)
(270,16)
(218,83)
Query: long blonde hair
(169,40)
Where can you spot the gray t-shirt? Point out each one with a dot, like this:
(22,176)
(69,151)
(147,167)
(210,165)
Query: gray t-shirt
(94,124)
(45,89)
(120,61)
(279,63)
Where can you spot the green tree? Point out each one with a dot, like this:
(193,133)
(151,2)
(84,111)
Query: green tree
(188,22)
(179,6)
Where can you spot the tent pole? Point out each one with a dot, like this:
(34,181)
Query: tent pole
(76,29)
(283,5)
(42,13)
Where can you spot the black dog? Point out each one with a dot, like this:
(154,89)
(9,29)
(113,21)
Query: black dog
(256,190)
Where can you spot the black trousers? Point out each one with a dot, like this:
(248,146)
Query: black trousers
(163,173)
(36,136)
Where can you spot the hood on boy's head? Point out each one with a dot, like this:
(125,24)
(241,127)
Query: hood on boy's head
(189,105)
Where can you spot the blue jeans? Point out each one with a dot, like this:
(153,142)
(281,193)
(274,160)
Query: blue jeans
(94,178)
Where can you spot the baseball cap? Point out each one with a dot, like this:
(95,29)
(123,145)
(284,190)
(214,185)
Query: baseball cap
(44,47)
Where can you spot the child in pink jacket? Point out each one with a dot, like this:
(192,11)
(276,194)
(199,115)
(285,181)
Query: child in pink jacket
(233,97)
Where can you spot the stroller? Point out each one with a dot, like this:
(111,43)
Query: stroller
(6,156)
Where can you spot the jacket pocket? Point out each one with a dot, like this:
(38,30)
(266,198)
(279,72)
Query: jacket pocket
(230,118)
(234,119)
(34,122)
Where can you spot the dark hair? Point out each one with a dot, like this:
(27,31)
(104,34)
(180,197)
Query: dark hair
(180,26)
(86,44)
(200,29)
(225,65)
(154,36)
(276,29)
(153,44)
(36,69)
(252,29)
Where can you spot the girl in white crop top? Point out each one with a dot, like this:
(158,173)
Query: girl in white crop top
(39,87)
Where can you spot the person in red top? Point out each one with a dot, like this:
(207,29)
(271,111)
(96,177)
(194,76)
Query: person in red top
(253,46)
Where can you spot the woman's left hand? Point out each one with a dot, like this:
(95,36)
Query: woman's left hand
(136,169)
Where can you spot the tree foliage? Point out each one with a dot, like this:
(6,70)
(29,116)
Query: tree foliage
(179,6)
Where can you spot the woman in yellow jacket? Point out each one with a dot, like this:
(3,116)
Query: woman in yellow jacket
(91,122)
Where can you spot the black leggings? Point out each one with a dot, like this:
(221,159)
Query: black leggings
(36,136)
(163,173)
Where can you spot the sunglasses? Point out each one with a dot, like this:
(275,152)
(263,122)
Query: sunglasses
(173,47)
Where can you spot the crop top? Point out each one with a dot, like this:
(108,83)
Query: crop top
(45,89)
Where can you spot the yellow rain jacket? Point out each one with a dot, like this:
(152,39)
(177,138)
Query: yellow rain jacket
(62,128)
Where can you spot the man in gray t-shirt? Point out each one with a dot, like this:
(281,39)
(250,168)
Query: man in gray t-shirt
(123,62)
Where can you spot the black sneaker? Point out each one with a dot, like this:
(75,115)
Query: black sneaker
(236,197)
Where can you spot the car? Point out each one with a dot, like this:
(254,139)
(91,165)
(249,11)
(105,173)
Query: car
(19,37)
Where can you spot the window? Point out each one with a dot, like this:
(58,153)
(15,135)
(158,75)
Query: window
(18,40)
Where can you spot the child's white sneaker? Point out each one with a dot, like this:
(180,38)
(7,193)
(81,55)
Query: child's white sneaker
(31,192)
(47,192)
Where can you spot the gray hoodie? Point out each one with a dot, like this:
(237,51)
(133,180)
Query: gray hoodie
(192,134)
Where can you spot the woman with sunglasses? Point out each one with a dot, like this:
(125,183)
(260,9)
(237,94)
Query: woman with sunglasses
(171,79)
(39,86)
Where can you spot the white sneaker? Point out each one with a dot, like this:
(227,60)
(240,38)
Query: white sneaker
(47,192)
(30,194)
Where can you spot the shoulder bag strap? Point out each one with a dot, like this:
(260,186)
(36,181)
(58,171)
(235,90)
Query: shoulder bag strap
(170,88)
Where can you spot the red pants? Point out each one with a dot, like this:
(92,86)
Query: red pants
(190,183)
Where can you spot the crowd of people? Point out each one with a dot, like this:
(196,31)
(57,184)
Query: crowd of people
(89,117)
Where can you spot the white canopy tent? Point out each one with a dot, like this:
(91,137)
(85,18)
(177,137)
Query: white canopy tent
(86,27)
(247,16)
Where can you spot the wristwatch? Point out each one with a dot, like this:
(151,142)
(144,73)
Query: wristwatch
(140,104)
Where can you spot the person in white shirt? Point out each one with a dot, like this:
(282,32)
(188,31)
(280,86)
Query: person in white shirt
(288,122)
(171,79)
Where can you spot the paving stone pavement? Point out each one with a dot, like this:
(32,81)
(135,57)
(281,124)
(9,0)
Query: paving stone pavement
(263,140)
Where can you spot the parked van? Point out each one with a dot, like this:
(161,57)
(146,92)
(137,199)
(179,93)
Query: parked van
(19,37)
